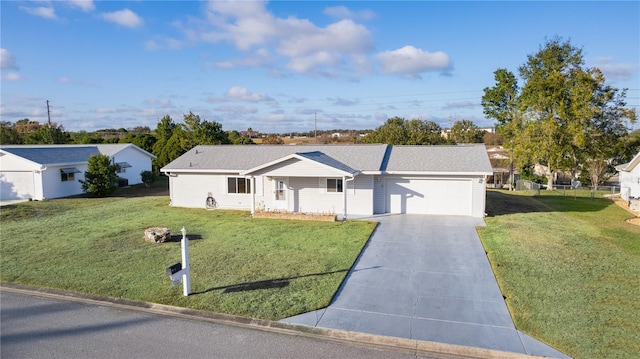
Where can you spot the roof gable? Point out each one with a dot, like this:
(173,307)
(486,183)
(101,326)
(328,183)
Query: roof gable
(315,158)
(628,167)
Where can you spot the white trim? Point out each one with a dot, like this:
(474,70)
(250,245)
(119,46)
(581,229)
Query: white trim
(301,158)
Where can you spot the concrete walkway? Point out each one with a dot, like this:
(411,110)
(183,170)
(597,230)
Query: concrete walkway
(426,278)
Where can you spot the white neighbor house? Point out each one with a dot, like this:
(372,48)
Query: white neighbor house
(630,179)
(348,180)
(52,171)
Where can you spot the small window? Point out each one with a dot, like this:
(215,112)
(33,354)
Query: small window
(334,185)
(68,174)
(238,185)
(121,167)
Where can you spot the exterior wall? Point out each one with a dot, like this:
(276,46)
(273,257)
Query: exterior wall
(304,194)
(53,186)
(18,178)
(479,194)
(308,194)
(191,190)
(630,183)
(139,162)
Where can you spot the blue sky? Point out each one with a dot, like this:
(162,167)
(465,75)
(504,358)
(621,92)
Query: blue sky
(274,66)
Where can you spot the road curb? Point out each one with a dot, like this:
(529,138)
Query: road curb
(412,346)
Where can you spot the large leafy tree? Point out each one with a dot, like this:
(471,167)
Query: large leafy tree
(100,179)
(563,117)
(465,131)
(48,134)
(398,131)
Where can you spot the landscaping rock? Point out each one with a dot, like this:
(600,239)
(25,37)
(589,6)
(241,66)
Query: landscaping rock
(157,234)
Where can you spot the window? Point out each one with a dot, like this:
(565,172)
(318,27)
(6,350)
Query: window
(238,185)
(121,167)
(334,185)
(68,174)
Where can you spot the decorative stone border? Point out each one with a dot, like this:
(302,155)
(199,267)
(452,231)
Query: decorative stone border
(297,216)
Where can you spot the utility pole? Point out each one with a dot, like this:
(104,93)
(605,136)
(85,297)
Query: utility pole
(48,114)
(49,123)
(315,131)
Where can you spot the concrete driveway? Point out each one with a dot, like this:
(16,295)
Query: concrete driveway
(426,278)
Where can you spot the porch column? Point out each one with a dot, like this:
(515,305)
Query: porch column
(253,195)
(344,197)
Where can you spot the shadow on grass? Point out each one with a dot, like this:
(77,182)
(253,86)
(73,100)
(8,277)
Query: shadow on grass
(178,238)
(501,202)
(265,284)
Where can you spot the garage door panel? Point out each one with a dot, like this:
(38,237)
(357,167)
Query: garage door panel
(16,185)
(429,196)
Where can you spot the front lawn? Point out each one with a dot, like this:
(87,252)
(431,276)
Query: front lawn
(261,268)
(570,270)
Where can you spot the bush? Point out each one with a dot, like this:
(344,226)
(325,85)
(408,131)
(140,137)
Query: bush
(100,178)
(148,177)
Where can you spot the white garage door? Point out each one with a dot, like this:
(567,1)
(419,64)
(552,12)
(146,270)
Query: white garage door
(429,196)
(16,185)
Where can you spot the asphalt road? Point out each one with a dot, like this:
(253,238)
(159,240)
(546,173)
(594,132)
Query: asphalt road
(40,327)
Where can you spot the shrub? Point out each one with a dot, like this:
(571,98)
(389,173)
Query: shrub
(148,177)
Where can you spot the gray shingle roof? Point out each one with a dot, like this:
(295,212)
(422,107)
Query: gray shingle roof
(46,155)
(235,158)
(61,154)
(432,159)
(460,158)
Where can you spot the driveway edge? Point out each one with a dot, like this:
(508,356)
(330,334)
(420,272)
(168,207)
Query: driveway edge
(417,347)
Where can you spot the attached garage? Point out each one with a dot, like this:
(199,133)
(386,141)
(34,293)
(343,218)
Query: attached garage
(429,196)
(16,185)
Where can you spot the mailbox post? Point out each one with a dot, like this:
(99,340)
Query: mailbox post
(180,272)
(186,274)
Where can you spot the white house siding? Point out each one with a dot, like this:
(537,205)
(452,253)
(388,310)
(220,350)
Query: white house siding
(18,178)
(191,190)
(294,167)
(54,187)
(139,162)
(630,183)
(479,194)
(17,185)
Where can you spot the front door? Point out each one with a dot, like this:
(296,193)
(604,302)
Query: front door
(281,200)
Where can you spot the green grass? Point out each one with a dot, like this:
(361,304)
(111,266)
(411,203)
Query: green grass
(570,270)
(261,268)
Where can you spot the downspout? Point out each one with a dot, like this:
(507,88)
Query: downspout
(344,195)
(253,195)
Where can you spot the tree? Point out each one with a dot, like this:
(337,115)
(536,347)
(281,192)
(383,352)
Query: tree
(48,134)
(273,139)
(146,141)
(398,131)
(204,132)
(164,128)
(465,131)
(148,177)
(84,137)
(8,134)
(561,109)
(100,179)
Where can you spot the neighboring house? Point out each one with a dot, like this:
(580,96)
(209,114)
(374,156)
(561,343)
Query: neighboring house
(629,174)
(352,180)
(52,171)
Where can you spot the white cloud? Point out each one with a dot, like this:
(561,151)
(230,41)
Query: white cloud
(306,63)
(411,62)
(11,76)
(613,71)
(241,110)
(7,60)
(46,12)
(342,12)
(241,94)
(125,17)
(461,104)
(84,5)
